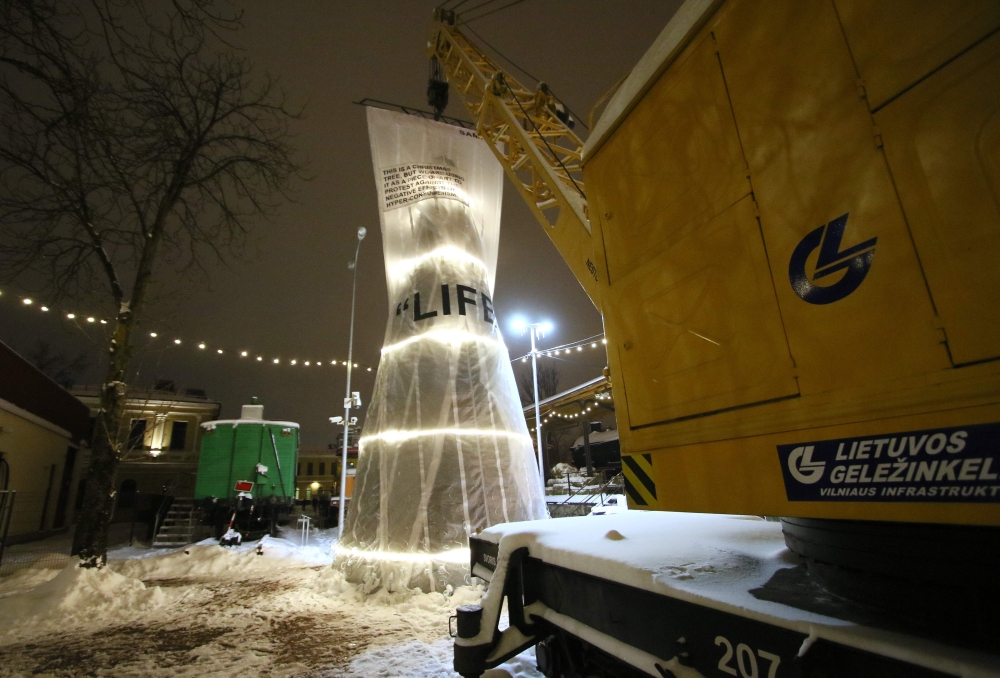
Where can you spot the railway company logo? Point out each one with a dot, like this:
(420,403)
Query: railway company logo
(856,260)
(958,464)
(803,468)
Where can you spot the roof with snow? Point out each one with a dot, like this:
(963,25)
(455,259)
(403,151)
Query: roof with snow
(598,437)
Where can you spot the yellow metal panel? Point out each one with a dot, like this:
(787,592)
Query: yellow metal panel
(942,141)
(970,387)
(674,164)
(697,328)
(688,478)
(869,363)
(897,42)
(814,157)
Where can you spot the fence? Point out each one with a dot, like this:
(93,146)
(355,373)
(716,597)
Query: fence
(580,503)
(24,545)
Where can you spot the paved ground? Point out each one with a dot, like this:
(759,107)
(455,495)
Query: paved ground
(278,623)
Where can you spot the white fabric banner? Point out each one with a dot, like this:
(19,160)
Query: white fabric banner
(445,450)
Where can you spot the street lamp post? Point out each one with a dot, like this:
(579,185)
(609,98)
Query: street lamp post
(538,418)
(537,330)
(347,394)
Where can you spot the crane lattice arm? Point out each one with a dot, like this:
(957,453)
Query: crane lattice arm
(538,151)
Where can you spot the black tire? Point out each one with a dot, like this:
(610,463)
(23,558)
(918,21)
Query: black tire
(929,575)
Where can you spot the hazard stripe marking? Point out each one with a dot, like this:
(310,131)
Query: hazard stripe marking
(642,474)
(639,486)
(632,493)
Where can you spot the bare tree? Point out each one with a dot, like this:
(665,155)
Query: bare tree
(133,142)
(548,383)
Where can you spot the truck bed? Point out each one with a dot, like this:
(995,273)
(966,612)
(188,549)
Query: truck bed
(691,595)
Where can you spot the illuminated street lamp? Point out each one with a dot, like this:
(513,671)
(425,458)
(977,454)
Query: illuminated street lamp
(349,399)
(537,330)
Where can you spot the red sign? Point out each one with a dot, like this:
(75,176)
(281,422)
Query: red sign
(243,485)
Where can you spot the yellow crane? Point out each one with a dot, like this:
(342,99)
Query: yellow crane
(790,224)
(537,149)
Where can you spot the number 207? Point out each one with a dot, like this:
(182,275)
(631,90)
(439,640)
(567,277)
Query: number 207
(746,660)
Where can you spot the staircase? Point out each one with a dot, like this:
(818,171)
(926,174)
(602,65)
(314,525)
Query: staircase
(178,526)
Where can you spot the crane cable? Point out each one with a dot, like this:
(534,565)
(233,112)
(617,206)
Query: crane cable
(537,80)
(492,11)
(474,7)
(465,22)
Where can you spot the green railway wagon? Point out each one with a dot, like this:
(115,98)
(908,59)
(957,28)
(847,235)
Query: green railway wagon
(246,471)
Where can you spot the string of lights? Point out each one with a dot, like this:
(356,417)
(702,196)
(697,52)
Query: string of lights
(596,341)
(165,340)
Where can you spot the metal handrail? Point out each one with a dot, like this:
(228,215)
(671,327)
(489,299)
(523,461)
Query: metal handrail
(161,512)
(6,512)
(600,490)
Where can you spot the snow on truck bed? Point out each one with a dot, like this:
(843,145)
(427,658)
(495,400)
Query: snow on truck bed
(714,561)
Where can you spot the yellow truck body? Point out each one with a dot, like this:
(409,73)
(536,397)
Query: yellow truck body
(794,212)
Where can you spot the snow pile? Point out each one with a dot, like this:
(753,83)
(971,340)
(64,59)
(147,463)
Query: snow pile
(571,483)
(423,616)
(421,660)
(207,559)
(75,596)
(333,583)
(24,580)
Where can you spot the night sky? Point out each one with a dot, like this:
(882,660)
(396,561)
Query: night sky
(291,298)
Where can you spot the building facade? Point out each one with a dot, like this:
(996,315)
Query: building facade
(317,474)
(163,439)
(43,430)
(318,471)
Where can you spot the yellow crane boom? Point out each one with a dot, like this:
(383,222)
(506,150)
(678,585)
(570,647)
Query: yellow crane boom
(539,152)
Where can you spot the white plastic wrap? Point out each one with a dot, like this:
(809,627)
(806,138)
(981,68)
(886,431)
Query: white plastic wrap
(445,450)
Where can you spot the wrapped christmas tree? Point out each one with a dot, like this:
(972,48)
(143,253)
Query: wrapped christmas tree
(445,450)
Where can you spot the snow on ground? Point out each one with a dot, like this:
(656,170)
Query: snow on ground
(271,607)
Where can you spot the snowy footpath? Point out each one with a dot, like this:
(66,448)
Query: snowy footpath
(211,611)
